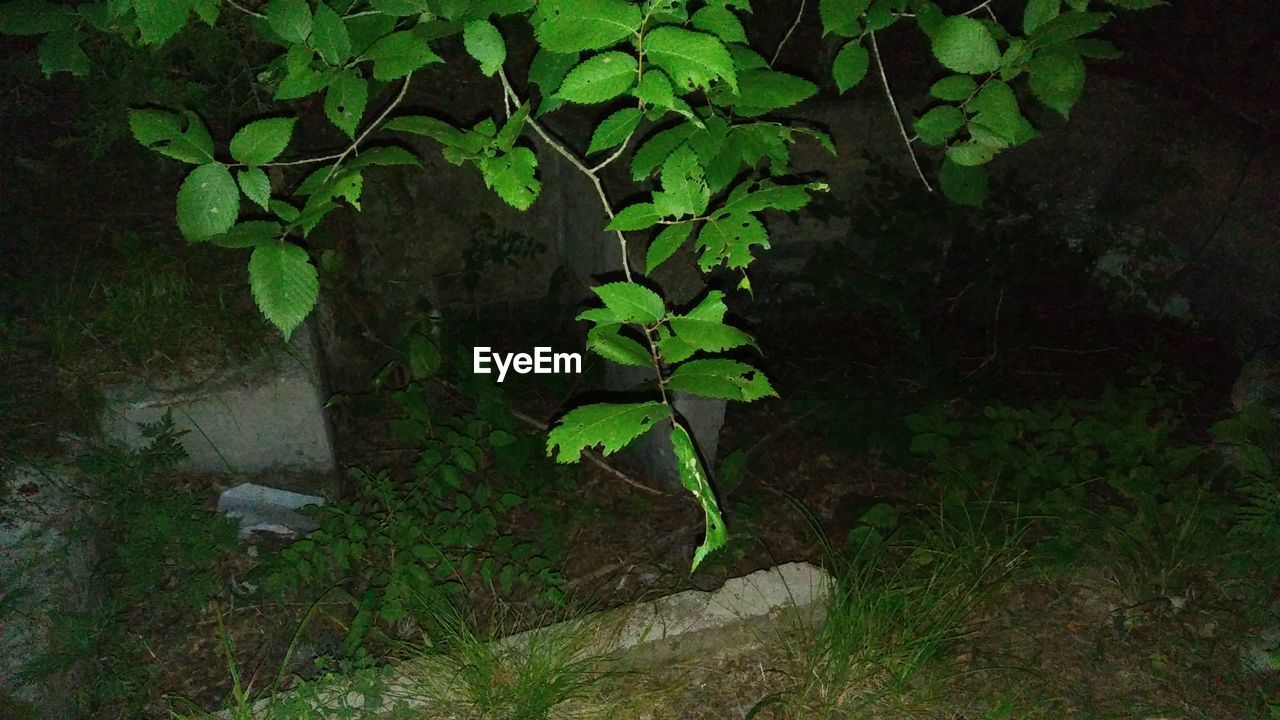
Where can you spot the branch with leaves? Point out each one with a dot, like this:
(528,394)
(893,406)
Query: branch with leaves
(679,75)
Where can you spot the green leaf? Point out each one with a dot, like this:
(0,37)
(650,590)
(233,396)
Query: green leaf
(970,153)
(684,185)
(484,43)
(1057,79)
(208,202)
(719,378)
(424,356)
(329,36)
(703,328)
(159,20)
(728,240)
(939,124)
(548,69)
(841,16)
(608,342)
(721,22)
(1039,12)
(631,303)
(513,176)
(610,425)
(961,184)
(401,8)
(262,141)
(599,78)
(692,59)
(60,52)
(290,19)
(694,479)
(570,26)
(995,108)
(256,186)
(511,129)
(955,88)
(850,65)
(665,245)
(399,54)
(248,234)
(301,82)
(635,217)
(284,283)
(657,147)
(207,10)
(753,196)
(965,45)
(345,101)
(1068,26)
(36,17)
(615,129)
(762,91)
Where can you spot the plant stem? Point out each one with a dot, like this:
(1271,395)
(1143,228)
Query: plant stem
(897,117)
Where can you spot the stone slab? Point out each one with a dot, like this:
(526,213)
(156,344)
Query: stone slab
(259,508)
(267,415)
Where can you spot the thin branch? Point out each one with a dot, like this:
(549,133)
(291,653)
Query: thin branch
(897,117)
(782,43)
(404,89)
(591,455)
(617,154)
(976,8)
(245,10)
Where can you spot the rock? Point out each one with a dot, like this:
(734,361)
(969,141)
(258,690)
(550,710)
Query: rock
(259,508)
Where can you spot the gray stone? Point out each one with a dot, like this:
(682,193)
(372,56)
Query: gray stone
(259,508)
(44,573)
(264,416)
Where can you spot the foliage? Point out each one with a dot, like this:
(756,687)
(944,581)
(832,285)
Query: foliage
(399,546)
(1116,474)
(710,173)
(156,548)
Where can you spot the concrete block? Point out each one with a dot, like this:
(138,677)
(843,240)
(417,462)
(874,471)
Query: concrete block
(265,415)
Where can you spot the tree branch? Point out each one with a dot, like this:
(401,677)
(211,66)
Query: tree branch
(782,43)
(897,117)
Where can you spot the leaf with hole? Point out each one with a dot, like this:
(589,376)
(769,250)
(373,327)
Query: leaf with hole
(208,202)
(612,426)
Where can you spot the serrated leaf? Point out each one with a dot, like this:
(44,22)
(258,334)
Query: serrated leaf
(599,78)
(248,234)
(284,283)
(970,153)
(383,155)
(954,88)
(59,51)
(1057,80)
(261,141)
(995,108)
(1039,12)
(763,91)
(484,43)
(653,151)
(965,45)
(256,186)
(665,245)
(692,59)
(424,356)
(728,240)
(609,425)
(399,54)
(608,342)
(723,379)
(345,101)
(721,22)
(1068,26)
(208,202)
(694,479)
(635,217)
(841,16)
(850,65)
(37,17)
(207,10)
(159,20)
(511,129)
(615,129)
(548,69)
(684,185)
(961,184)
(513,176)
(939,124)
(329,35)
(301,82)
(753,196)
(290,19)
(570,26)
(631,303)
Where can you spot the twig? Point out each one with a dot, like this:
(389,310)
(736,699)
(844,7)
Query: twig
(782,43)
(897,117)
(591,455)
(995,338)
(245,10)
(976,8)
(404,89)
